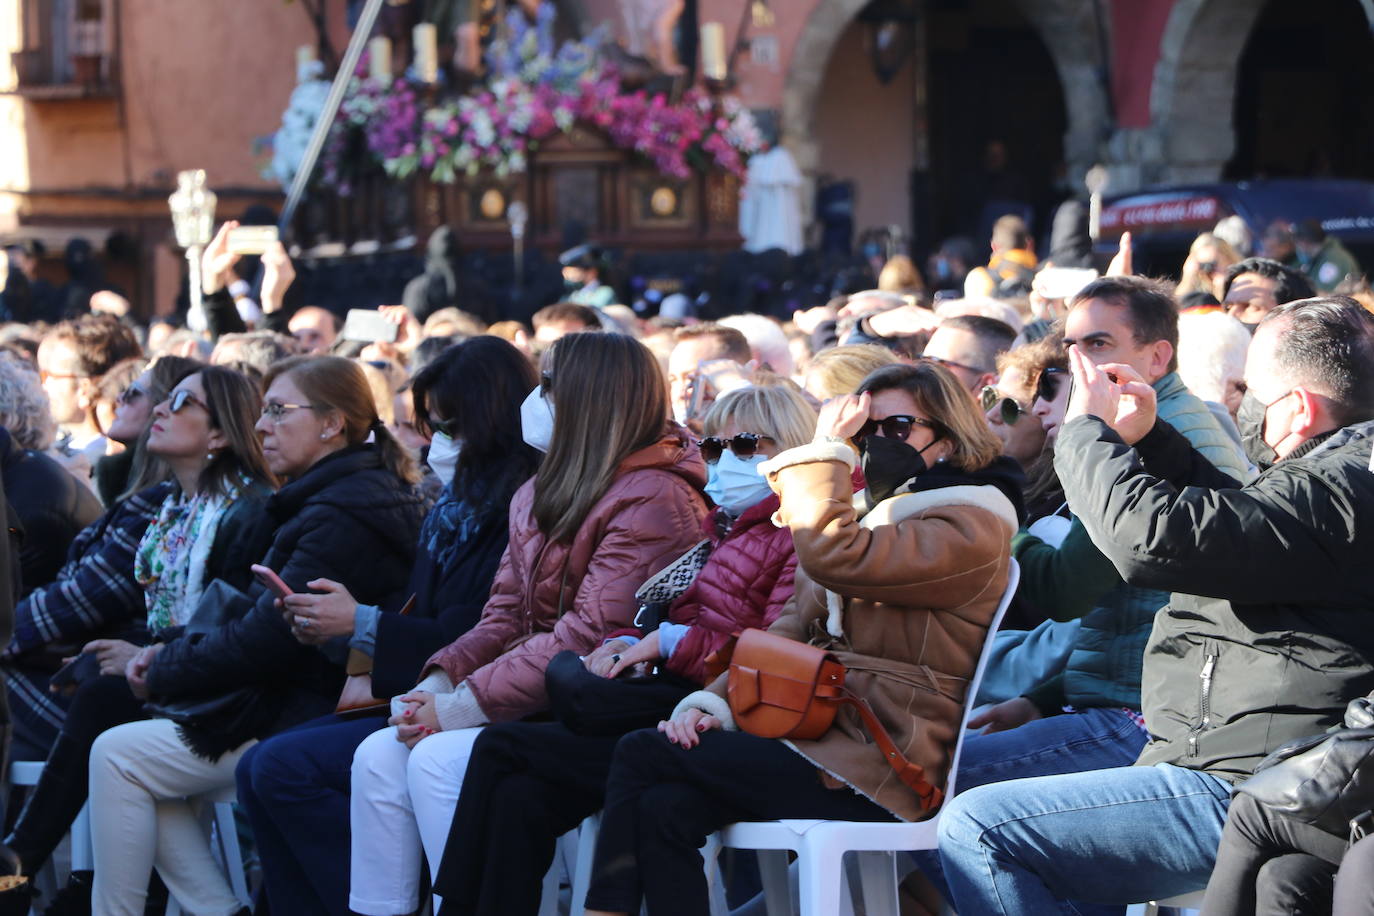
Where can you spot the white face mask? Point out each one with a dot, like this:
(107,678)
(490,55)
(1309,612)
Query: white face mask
(536,421)
(734,483)
(443,456)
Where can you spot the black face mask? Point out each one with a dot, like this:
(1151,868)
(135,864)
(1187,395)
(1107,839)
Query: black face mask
(889,463)
(1250,417)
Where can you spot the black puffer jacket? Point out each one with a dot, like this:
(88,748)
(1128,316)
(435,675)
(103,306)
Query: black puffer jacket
(349,519)
(1267,635)
(52,505)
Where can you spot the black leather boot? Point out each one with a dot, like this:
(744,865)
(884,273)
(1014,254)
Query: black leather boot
(52,806)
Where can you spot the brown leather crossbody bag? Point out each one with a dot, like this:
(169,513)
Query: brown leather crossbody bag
(781,688)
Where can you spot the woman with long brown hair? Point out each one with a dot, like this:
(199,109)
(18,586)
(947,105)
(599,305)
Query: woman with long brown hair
(616,497)
(349,513)
(210,525)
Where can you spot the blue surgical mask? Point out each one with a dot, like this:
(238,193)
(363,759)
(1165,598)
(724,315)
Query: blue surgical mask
(443,456)
(735,484)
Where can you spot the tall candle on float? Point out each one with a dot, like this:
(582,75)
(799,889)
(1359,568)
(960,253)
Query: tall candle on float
(713,51)
(379,57)
(425,38)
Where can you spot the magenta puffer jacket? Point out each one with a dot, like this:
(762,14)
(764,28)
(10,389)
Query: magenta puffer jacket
(551,596)
(744,584)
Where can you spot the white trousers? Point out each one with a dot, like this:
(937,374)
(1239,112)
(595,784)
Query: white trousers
(144,783)
(402,803)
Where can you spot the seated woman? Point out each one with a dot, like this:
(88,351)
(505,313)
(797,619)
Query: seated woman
(51,505)
(528,783)
(95,593)
(903,597)
(295,785)
(349,512)
(616,497)
(211,525)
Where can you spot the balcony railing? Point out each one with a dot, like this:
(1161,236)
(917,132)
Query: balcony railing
(66,51)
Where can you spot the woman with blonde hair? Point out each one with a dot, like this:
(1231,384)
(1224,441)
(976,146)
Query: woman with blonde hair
(616,497)
(900,275)
(903,599)
(528,783)
(839,370)
(1204,270)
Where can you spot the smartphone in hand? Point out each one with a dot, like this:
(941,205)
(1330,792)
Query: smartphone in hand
(271,580)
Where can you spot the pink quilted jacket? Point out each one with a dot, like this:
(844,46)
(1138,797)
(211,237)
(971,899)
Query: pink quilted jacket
(548,597)
(744,584)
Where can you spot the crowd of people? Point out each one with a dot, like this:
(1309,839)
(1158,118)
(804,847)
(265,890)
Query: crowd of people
(421,605)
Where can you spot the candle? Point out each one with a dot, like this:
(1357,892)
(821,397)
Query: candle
(425,38)
(379,51)
(713,51)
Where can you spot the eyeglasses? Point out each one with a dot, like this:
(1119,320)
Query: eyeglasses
(447,427)
(897,426)
(1009,409)
(129,395)
(744,445)
(277,412)
(951,364)
(44,375)
(181,397)
(1047,387)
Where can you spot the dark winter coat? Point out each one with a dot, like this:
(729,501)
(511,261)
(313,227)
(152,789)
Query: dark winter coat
(52,505)
(1266,637)
(347,518)
(459,550)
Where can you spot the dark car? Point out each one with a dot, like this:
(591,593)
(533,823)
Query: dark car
(1164,221)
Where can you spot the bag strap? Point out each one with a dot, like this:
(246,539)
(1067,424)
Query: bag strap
(913,775)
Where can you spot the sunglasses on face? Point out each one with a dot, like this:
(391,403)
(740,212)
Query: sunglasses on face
(897,426)
(130,395)
(1049,383)
(181,397)
(1009,411)
(447,427)
(951,364)
(744,446)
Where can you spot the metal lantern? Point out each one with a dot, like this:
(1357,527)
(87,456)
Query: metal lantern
(193,220)
(193,209)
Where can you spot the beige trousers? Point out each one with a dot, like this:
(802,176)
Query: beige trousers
(144,783)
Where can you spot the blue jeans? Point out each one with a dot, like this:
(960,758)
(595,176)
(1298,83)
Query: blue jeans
(1093,739)
(1112,837)
(294,788)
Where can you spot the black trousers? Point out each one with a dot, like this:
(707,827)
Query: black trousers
(99,704)
(527,784)
(1355,881)
(1271,864)
(662,801)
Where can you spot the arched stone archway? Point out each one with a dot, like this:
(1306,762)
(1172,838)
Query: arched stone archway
(1066,28)
(1192,96)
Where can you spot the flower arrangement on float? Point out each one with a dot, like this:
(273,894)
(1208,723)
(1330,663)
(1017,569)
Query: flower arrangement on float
(498,125)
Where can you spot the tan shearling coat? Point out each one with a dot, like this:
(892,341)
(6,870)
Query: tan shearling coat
(911,588)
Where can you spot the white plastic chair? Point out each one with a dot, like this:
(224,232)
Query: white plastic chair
(224,841)
(1191,901)
(820,845)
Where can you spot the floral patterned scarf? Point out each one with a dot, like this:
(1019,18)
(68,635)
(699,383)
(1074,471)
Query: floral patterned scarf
(172,557)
